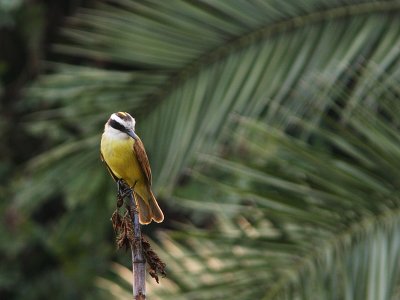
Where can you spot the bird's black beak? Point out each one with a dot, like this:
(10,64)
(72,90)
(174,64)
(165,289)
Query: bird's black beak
(132,134)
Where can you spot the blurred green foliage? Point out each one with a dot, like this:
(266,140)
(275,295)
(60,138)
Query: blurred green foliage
(271,129)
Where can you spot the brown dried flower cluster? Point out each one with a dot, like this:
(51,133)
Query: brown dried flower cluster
(123,229)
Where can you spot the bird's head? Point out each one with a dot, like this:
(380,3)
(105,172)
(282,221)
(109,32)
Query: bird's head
(121,123)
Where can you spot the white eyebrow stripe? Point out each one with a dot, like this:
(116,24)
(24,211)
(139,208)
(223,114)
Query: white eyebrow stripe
(118,119)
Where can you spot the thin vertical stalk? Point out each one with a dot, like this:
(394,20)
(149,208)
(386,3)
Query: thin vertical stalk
(138,260)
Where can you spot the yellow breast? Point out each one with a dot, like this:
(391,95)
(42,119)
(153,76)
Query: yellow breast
(120,158)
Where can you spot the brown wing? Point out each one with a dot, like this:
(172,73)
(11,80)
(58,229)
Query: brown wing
(141,156)
(108,168)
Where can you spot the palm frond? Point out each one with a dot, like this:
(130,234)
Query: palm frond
(313,190)
(314,218)
(183,69)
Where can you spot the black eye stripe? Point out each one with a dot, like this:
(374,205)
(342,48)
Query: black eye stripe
(114,124)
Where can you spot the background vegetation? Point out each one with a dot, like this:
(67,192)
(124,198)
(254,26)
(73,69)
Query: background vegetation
(271,126)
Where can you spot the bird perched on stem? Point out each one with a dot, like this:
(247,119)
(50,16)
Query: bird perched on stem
(125,157)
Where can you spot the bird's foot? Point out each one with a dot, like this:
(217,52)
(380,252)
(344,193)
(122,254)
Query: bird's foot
(123,191)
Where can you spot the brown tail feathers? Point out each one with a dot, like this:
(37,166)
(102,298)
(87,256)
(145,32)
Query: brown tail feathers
(149,210)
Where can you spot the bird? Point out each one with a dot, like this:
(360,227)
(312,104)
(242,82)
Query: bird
(124,155)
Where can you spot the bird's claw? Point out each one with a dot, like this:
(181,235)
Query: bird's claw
(123,191)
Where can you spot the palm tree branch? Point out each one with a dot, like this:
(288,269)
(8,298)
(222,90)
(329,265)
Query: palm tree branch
(242,41)
(364,227)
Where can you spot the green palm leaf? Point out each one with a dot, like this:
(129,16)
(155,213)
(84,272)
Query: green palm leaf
(191,64)
(306,219)
(183,71)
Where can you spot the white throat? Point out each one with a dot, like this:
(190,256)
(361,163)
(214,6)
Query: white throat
(113,133)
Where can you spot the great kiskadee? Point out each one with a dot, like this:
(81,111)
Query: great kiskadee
(124,155)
